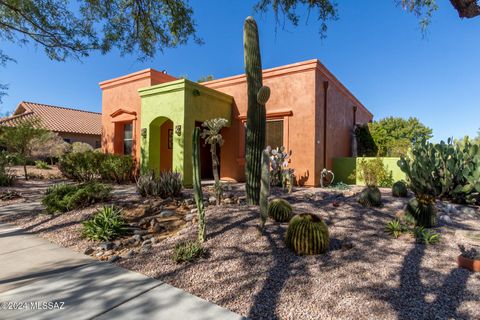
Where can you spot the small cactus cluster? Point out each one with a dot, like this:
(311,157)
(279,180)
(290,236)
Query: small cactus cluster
(399,189)
(370,197)
(423,211)
(307,234)
(279,210)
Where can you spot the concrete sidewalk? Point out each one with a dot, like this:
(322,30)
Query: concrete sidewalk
(50,282)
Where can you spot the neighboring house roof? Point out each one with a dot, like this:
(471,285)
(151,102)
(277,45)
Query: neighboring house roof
(57,119)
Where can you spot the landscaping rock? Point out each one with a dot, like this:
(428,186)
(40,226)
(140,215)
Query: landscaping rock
(194,210)
(167,213)
(153,240)
(468,211)
(140,232)
(99,254)
(113,259)
(228,201)
(106,245)
(146,248)
(189,202)
(88,251)
(137,237)
(189,217)
(212,200)
(129,254)
(146,243)
(108,253)
(157,228)
(445,218)
(147,236)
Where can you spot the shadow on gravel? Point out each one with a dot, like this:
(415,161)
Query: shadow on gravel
(417,299)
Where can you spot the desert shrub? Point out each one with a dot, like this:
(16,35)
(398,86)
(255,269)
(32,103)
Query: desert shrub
(163,185)
(307,234)
(117,168)
(279,210)
(374,173)
(39,164)
(188,251)
(106,224)
(7,179)
(80,147)
(65,197)
(370,197)
(90,165)
(399,189)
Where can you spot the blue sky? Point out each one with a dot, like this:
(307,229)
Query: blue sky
(375,48)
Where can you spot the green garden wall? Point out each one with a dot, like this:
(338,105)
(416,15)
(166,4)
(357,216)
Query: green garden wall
(183,102)
(344,167)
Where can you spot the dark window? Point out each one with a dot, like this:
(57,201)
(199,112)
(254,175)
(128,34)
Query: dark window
(97,144)
(274,133)
(127,139)
(67,140)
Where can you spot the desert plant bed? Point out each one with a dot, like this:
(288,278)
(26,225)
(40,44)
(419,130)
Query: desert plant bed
(366,272)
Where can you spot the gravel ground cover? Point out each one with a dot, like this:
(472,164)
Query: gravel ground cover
(366,274)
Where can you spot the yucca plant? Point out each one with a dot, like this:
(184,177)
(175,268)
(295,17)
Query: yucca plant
(106,224)
(279,210)
(307,234)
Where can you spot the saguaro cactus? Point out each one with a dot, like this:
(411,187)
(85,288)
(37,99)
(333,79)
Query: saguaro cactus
(264,187)
(256,120)
(197,184)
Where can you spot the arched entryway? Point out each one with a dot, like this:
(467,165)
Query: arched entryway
(161,144)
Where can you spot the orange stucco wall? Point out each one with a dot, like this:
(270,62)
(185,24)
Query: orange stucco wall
(121,103)
(297,97)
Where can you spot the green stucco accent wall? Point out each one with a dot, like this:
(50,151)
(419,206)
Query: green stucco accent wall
(344,167)
(183,102)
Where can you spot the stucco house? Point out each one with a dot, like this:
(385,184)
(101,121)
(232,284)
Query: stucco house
(151,115)
(73,125)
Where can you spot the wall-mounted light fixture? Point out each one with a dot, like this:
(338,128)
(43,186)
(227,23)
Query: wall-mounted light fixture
(143,132)
(178,130)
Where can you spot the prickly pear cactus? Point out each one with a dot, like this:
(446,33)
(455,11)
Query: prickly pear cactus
(256,118)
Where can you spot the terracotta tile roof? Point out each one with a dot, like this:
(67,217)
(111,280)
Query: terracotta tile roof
(58,119)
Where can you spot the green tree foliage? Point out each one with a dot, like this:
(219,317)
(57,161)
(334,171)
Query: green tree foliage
(20,140)
(206,78)
(366,146)
(394,136)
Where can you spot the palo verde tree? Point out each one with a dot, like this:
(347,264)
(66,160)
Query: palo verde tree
(212,136)
(19,140)
(73,29)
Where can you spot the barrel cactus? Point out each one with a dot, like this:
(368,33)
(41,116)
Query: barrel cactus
(307,234)
(399,189)
(256,117)
(370,197)
(279,210)
(423,210)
